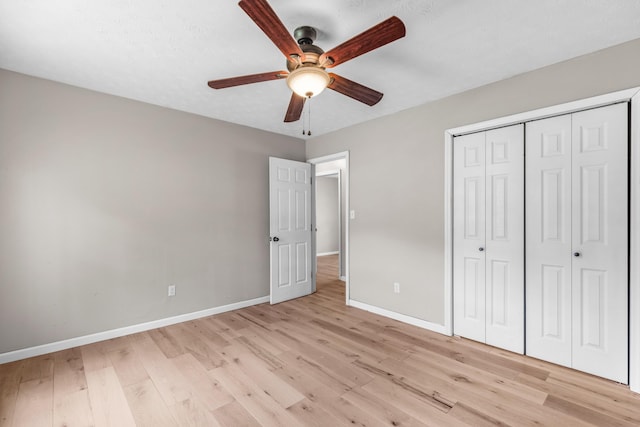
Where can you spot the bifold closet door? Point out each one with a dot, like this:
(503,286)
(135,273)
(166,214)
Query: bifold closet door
(577,241)
(488,259)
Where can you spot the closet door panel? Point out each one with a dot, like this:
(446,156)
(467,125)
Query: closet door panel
(469,236)
(600,241)
(505,238)
(548,239)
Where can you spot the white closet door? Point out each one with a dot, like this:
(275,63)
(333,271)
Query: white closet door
(505,238)
(488,259)
(600,236)
(469,236)
(548,239)
(576,234)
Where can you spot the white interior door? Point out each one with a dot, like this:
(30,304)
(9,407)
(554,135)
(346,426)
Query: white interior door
(488,252)
(576,234)
(548,239)
(600,241)
(469,308)
(504,250)
(290,229)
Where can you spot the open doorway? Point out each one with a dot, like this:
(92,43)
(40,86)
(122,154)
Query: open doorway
(331,204)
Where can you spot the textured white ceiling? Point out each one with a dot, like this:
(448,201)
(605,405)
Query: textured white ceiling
(163,52)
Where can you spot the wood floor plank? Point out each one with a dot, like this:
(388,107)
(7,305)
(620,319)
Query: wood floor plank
(482,399)
(475,379)
(38,368)
(414,404)
(147,405)
(208,332)
(606,404)
(266,380)
(191,413)
(252,398)
(95,357)
(34,404)
(585,414)
(128,366)
(68,371)
(312,361)
(70,395)
(235,415)
(473,417)
(190,341)
(108,402)
(73,408)
(171,384)
(310,413)
(258,348)
(10,375)
(166,341)
(388,414)
(204,388)
(221,328)
(233,320)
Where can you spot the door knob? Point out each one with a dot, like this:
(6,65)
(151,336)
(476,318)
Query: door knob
(275,239)
(576,254)
(481,249)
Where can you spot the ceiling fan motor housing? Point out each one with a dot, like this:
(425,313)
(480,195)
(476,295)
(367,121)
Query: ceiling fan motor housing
(305,35)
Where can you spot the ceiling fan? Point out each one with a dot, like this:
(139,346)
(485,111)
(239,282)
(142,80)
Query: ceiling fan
(306,63)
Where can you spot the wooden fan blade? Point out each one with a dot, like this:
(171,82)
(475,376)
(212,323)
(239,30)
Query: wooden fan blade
(295,108)
(354,90)
(385,32)
(265,18)
(245,80)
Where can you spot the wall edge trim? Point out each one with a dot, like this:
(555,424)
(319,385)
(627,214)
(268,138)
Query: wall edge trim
(25,353)
(424,324)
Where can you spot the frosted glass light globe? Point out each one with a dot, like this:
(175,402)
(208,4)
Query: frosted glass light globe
(308,81)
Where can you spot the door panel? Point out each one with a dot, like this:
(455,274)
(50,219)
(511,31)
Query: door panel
(473,208)
(548,239)
(290,223)
(600,236)
(469,236)
(499,314)
(553,222)
(504,238)
(473,289)
(554,307)
(576,234)
(488,239)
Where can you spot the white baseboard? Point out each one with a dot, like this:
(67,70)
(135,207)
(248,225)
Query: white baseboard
(120,332)
(400,317)
(327,253)
(343,278)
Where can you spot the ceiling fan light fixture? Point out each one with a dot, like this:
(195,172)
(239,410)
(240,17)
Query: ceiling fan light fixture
(308,81)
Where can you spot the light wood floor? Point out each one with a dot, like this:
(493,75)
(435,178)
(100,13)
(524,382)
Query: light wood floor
(312,361)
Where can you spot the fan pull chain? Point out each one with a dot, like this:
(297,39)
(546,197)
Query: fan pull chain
(303,118)
(307,105)
(309,113)
(304,107)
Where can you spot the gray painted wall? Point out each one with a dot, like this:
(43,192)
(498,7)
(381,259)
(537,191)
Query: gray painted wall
(397,174)
(104,202)
(340,165)
(327,237)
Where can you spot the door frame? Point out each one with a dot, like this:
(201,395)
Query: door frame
(324,159)
(338,174)
(632,96)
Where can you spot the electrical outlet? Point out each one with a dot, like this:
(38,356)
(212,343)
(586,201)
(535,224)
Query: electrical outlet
(352,214)
(171,291)
(396,287)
